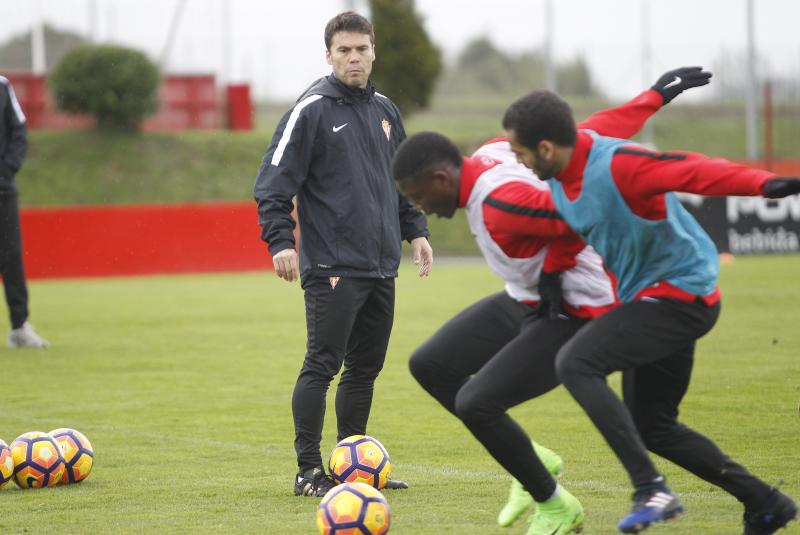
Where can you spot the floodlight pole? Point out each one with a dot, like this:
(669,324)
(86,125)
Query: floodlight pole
(173,29)
(92,8)
(647,59)
(226,73)
(38,53)
(550,81)
(751,98)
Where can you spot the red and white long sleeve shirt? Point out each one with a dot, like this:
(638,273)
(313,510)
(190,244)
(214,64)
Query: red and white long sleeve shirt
(643,176)
(520,233)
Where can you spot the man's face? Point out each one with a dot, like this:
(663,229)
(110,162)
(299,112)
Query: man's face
(541,160)
(351,56)
(436,194)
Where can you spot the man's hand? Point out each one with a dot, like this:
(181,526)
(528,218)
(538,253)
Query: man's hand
(423,255)
(781,186)
(549,295)
(286,265)
(673,83)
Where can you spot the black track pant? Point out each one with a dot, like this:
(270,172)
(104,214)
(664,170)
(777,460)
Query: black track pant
(11,260)
(349,323)
(490,357)
(652,342)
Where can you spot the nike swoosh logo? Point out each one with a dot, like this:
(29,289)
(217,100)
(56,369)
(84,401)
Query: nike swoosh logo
(676,81)
(337,128)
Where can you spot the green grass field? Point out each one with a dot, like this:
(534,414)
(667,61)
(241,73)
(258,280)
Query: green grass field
(183,385)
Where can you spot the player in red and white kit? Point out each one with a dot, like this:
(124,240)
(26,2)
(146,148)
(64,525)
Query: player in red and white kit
(619,197)
(501,351)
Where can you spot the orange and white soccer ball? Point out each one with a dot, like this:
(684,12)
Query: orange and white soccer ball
(37,460)
(353,509)
(77,452)
(360,459)
(6,463)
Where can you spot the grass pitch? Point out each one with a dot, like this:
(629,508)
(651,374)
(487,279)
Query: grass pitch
(183,385)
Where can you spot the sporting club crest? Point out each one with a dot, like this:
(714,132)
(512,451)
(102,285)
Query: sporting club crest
(387,128)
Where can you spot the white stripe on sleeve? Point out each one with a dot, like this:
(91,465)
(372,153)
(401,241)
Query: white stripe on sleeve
(287,132)
(14,101)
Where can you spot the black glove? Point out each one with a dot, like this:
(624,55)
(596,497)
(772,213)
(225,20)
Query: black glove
(549,295)
(673,83)
(781,186)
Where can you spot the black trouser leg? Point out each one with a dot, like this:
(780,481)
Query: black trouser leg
(330,315)
(522,370)
(11,266)
(463,345)
(652,394)
(510,356)
(634,334)
(653,343)
(366,352)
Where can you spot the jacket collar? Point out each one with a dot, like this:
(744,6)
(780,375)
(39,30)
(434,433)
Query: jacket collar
(332,87)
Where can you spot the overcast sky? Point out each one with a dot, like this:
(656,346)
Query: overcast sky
(278,45)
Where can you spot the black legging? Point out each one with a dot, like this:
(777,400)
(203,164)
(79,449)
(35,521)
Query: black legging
(349,325)
(490,357)
(11,260)
(652,343)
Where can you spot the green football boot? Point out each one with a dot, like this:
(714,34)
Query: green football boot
(519,499)
(559,515)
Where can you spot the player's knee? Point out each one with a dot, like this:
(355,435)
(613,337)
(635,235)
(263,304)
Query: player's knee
(567,368)
(471,407)
(572,368)
(656,435)
(421,367)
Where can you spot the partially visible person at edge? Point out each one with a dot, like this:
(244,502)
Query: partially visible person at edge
(13,146)
(501,351)
(333,150)
(618,197)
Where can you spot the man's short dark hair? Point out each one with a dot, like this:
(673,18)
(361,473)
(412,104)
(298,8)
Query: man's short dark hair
(349,21)
(541,115)
(420,153)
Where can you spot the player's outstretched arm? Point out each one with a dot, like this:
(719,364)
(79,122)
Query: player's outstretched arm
(673,83)
(781,186)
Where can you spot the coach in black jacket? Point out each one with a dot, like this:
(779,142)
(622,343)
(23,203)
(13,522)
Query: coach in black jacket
(13,146)
(333,150)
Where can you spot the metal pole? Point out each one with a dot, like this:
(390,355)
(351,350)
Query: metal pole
(38,53)
(550,81)
(173,29)
(768,146)
(751,98)
(92,8)
(647,59)
(226,73)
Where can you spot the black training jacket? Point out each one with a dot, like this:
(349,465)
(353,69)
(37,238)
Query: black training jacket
(333,150)
(13,137)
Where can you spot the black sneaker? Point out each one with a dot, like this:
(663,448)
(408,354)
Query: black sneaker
(395,484)
(313,482)
(777,511)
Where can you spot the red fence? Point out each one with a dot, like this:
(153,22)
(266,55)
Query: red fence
(186,102)
(142,239)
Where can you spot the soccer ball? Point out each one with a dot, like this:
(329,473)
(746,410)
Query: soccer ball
(37,460)
(361,459)
(353,509)
(6,463)
(77,452)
